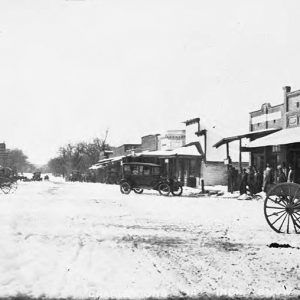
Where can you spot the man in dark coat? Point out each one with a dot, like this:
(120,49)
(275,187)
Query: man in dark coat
(243,183)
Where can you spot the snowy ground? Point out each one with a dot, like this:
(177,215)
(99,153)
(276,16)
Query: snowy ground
(87,240)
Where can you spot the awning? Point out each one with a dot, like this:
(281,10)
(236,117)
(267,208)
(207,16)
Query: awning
(252,135)
(105,160)
(96,167)
(282,137)
(117,158)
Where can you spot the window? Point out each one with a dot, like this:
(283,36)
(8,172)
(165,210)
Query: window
(298,104)
(146,170)
(135,170)
(127,169)
(155,171)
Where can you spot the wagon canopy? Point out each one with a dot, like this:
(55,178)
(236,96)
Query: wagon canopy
(282,137)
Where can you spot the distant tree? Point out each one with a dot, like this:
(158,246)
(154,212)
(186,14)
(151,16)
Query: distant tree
(77,157)
(18,161)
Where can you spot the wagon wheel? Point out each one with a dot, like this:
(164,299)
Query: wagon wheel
(176,189)
(5,188)
(13,186)
(125,188)
(282,208)
(138,190)
(164,189)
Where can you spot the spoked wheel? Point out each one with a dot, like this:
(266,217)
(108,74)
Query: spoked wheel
(176,190)
(13,187)
(5,188)
(138,190)
(282,208)
(125,188)
(164,189)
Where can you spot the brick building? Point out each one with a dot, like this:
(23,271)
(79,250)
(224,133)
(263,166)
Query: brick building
(282,146)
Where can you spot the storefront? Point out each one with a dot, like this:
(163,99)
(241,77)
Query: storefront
(280,148)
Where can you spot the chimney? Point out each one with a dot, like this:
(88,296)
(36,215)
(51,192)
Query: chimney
(286,90)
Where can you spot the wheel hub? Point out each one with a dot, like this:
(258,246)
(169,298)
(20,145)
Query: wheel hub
(289,209)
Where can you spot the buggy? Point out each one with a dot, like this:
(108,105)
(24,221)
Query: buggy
(138,176)
(8,182)
(37,176)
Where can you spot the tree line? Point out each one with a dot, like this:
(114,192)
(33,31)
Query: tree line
(77,157)
(17,161)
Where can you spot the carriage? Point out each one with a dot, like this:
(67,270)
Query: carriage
(138,176)
(282,207)
(8,182)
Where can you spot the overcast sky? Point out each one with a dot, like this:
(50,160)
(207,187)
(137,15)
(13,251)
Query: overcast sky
(69,69)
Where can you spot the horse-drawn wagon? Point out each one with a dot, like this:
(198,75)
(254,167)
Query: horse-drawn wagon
(8,182)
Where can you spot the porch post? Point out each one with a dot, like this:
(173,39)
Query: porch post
(240,155)
(227,150)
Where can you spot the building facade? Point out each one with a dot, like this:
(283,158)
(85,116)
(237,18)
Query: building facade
(172,139)
(150,142)
(125,149)
(283,146)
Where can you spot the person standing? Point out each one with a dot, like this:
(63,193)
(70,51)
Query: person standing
(280,176)
(291,174)
(250,182)
(230,179)
(267,178)
(243,183)
(285,169)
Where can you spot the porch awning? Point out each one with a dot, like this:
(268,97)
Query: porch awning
(96,167)
(252,135)
(282,137)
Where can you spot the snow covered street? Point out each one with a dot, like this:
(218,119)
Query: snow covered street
(83,240)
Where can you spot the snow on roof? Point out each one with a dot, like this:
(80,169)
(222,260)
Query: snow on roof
(95,167)
(182,151)
(117,158)
(187,151)
(282,137)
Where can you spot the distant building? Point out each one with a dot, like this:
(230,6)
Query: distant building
(171,140)
(3,154)
(282,145)
(125,149)
(150,142)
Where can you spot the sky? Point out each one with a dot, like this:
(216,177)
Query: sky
(71,69)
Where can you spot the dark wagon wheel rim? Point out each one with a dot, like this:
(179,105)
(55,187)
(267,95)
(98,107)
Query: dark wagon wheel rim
(13,187)
(5,188)
(138,190)
(164,189)
(282,208)
(125,188)
(177,191)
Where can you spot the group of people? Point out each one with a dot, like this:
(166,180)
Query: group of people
(251,180)
(254,181)
(281,174)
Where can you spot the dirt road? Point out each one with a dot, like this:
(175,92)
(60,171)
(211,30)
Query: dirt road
(87,240)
